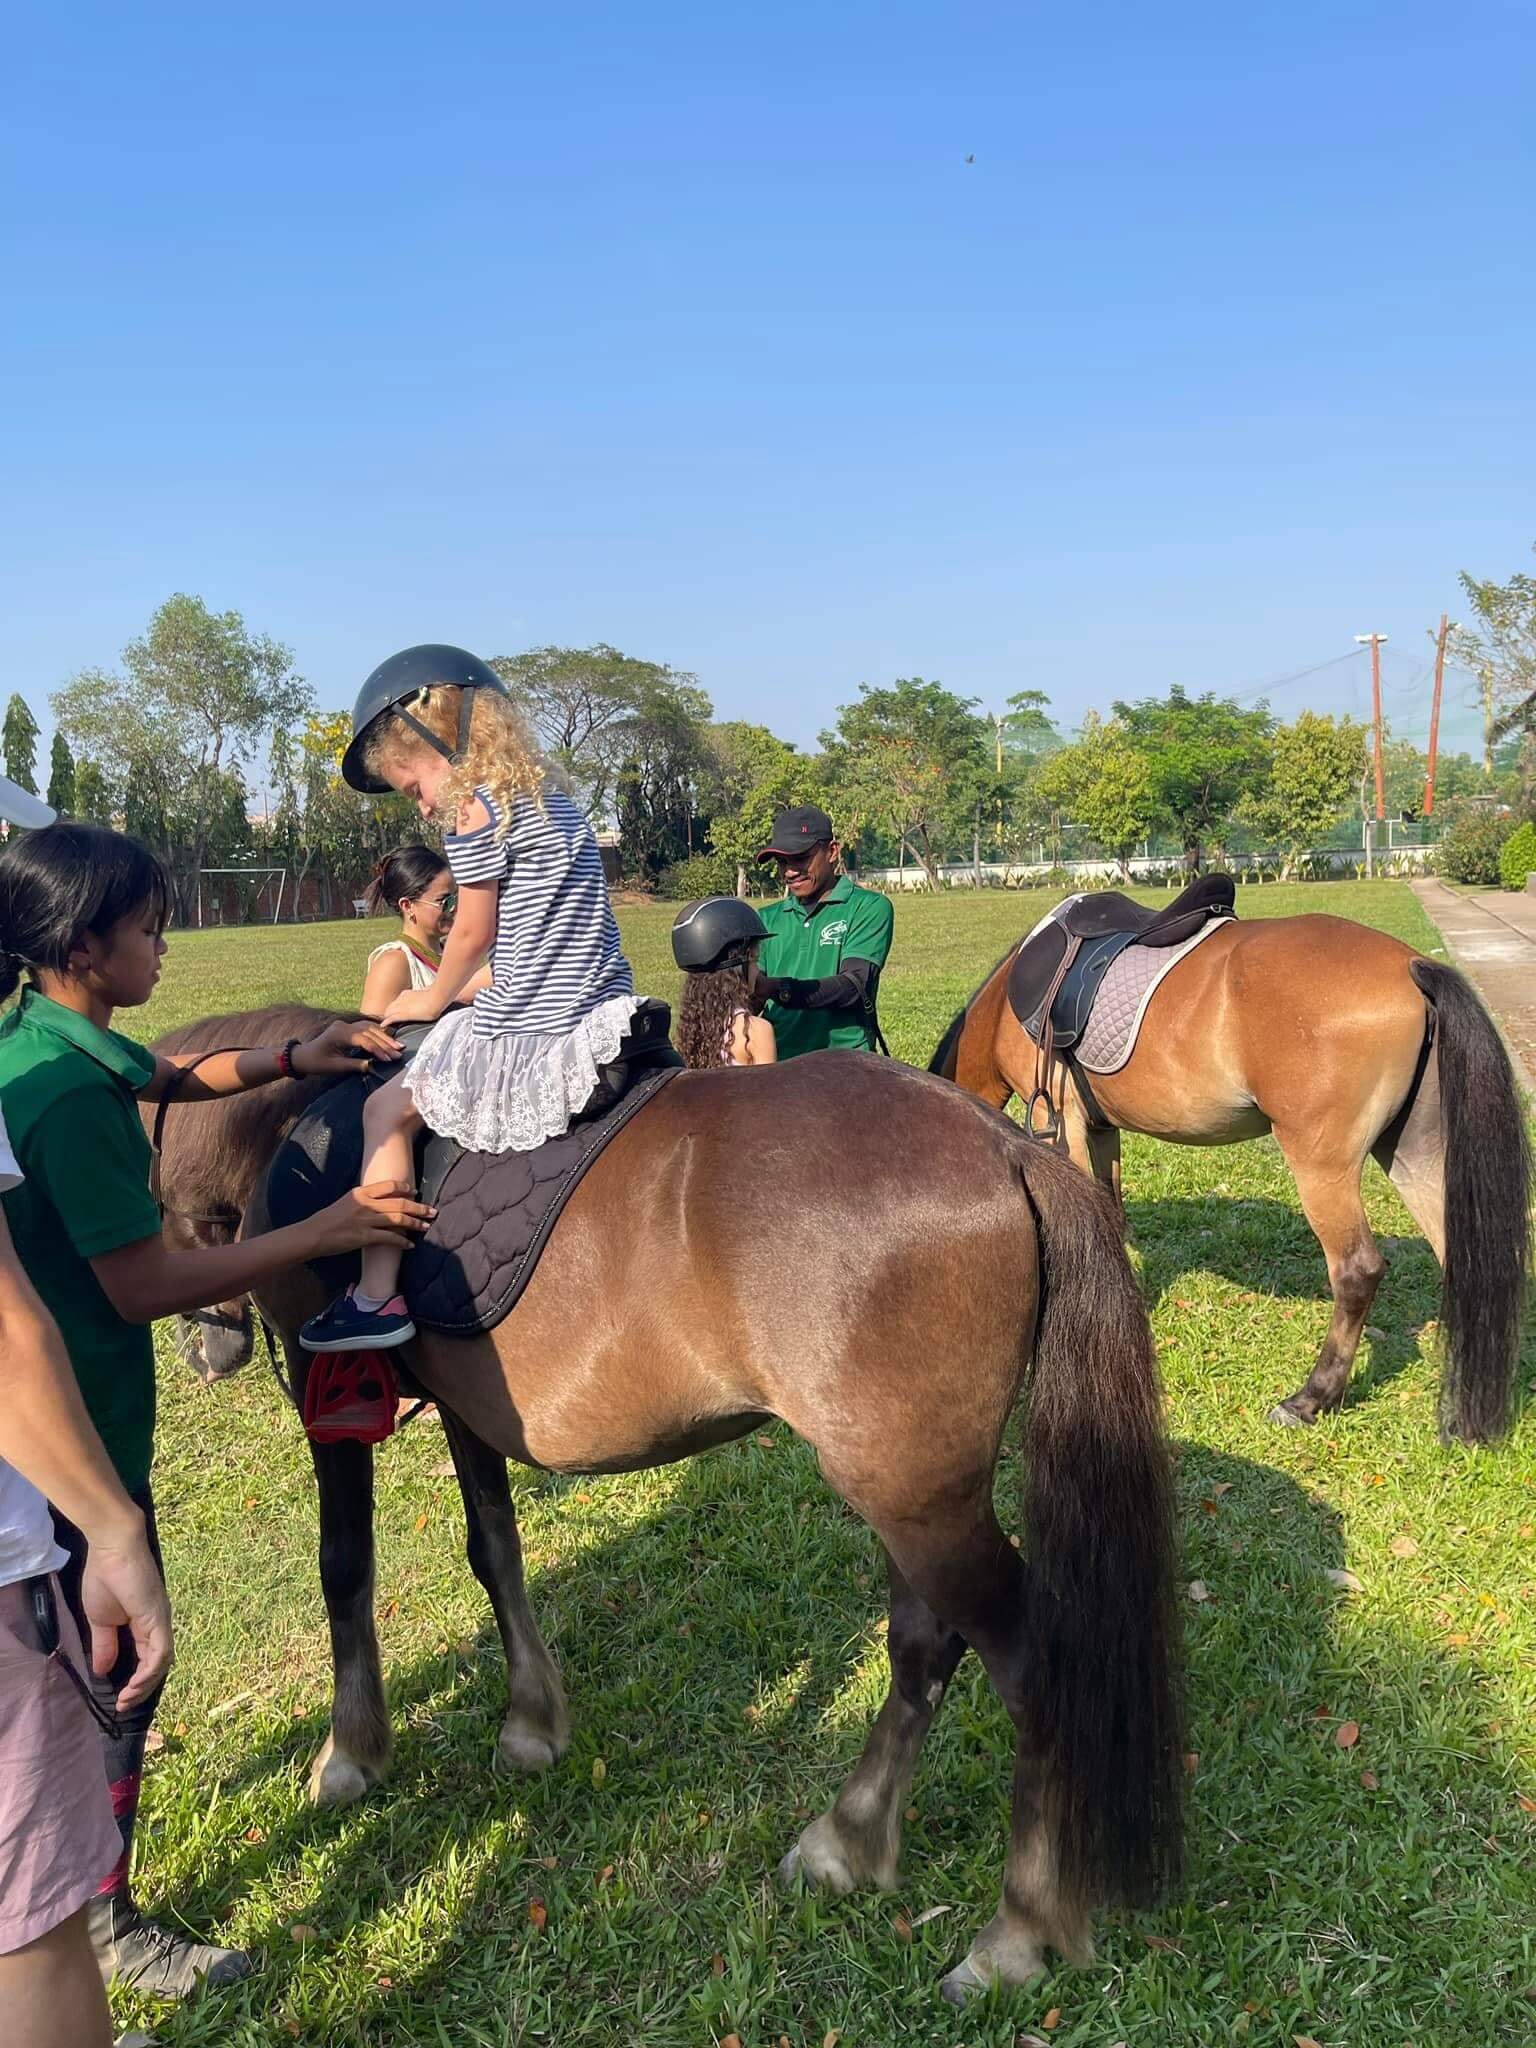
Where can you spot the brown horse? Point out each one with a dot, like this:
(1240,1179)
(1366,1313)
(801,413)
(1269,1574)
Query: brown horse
(1344,1043)
(657,1325)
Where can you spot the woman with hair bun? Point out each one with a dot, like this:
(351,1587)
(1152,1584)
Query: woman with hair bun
(414,882)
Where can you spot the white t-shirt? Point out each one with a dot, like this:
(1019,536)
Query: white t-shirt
(27,1547)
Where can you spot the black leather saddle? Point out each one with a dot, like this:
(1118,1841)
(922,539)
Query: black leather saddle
(1094,930)
(1058,971)
(495,1211)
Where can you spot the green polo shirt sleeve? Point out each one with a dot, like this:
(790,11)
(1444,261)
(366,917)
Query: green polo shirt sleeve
(87,1156)
(871,921)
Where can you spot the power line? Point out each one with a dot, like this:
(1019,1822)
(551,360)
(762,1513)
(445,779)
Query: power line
(1251,694)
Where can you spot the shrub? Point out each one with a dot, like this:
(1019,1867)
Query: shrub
(1517,856)
(710,874)
(1469,851)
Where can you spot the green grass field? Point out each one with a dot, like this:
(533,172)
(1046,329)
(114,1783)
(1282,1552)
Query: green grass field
(720,1627)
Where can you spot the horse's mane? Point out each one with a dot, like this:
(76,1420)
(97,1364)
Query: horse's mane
(213,1153)
(948,1048)
(274,1026)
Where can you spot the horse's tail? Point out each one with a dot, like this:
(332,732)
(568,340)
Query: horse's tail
(947,1051)
(1103,1663)
(1487,1208)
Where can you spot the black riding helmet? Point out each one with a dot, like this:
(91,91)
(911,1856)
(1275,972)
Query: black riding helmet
(394,683)
(704,932)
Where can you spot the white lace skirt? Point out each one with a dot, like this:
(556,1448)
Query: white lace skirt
(511,1091)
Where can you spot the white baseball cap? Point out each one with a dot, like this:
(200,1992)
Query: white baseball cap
(19,806)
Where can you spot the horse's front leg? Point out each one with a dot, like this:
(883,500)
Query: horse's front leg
(356,1752)
(537,1728)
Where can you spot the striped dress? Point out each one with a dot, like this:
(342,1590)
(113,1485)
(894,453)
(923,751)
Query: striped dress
(519,1065)
(556,954)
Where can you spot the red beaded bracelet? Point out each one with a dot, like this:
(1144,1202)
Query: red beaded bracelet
(285,1059)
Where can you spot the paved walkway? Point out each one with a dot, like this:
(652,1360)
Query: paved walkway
(1491,936)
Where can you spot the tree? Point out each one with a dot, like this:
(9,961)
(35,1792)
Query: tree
(1108,787)
(200,695)
(19,740)
(911,759)
(1204,753)
(1500,650)
(94,800)
(750,774)
(322,829)
(1026,735)
(583,704)
(1316,768)
(61,777)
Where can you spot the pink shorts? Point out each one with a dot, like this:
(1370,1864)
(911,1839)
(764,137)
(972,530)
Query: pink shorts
(58,1840)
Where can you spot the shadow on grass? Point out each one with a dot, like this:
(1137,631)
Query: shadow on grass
(1294,1829)
(1266,1248)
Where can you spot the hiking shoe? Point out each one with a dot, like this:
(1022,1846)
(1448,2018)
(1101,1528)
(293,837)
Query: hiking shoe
(141,1955)
(346,1327)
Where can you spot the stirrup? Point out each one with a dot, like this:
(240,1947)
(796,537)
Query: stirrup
(350,1397)
(1050,1132)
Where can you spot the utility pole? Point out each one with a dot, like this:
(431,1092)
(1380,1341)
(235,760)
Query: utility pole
(1376,641)
(1434,716)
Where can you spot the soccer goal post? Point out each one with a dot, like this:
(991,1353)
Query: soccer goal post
(235,895)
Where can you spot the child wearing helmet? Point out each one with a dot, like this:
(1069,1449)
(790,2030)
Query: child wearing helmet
(522,1062)
(720,1023)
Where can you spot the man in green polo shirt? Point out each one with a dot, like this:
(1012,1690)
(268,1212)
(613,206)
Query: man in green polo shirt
(827,942)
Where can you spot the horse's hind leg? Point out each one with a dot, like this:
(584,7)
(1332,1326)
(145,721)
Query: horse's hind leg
(1411,1152)
(1329,1188)
(356,1752)
(978,1578)
(537,1729)
(858,1841)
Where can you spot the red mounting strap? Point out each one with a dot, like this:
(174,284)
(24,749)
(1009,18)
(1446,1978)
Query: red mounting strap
(350,1397)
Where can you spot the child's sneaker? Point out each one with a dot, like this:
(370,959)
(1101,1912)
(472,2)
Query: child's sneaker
(344,1326)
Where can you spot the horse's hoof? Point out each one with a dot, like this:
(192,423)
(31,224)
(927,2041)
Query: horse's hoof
(1284,1416)
(820,1859)
(964,1982)
(1012,1959)
(522,1747)
(335,1780)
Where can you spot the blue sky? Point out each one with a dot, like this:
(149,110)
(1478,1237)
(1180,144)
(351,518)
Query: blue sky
(691,329)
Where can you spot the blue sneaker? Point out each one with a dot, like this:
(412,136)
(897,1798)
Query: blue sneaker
(346,1327)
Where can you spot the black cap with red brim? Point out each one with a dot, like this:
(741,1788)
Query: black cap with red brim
(797,831)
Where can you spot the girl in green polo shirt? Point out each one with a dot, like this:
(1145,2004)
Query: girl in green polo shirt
(82,917)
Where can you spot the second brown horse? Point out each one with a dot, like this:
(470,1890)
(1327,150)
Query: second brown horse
(1346,1044)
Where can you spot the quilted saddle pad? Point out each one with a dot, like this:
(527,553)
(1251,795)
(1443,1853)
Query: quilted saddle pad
(495,1210)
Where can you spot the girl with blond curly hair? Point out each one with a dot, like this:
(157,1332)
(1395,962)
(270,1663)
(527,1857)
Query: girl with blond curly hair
(519,1064)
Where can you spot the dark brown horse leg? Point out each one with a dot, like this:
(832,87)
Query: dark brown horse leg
(984,1589)
(537,1729)
(858,1842)
(1330,1195)
(356,1752)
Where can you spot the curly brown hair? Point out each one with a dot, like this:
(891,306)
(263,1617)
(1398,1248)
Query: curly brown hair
(709,1003)
(500,754)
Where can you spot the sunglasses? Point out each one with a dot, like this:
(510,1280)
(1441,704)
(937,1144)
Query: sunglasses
(448,902)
